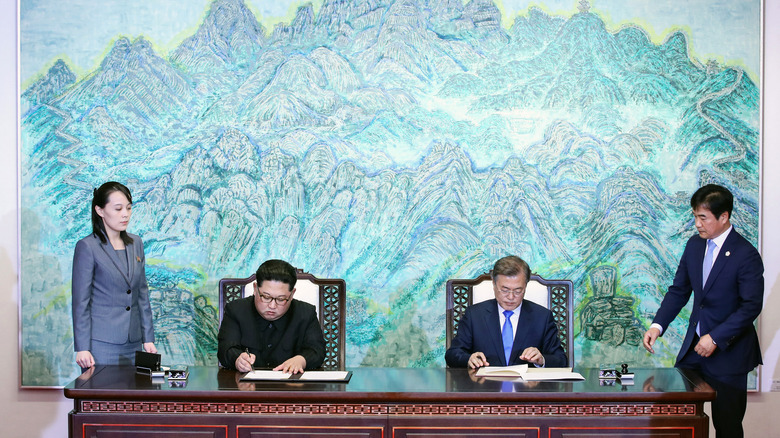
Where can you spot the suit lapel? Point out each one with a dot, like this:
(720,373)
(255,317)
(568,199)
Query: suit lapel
(131,262)
(723,258)
(112,255)
(699,246)
(493,329)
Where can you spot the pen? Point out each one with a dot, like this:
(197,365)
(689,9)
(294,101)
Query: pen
(246,350)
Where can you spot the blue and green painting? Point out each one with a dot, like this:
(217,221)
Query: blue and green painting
(392,143)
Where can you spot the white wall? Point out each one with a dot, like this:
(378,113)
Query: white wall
(28,413)
(762,418)
(43,413)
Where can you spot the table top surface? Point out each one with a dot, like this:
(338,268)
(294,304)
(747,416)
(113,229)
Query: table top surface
(387,385)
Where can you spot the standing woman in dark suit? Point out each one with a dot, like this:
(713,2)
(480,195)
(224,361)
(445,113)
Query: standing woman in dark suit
(112,316)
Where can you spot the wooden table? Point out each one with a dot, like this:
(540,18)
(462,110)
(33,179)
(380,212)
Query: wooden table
(114,401)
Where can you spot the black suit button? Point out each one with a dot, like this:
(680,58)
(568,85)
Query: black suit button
(270,345)
(128,291)
(127,308)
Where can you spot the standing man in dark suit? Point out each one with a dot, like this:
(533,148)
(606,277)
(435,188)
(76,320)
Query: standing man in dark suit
(726,275)
(271,329)
(507,330)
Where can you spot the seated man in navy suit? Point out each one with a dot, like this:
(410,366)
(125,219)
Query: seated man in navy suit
(507,330)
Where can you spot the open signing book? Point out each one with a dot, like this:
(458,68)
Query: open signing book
(530,373)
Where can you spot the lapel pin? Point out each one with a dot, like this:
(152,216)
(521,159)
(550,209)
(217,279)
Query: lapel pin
(139,258)
(728,253)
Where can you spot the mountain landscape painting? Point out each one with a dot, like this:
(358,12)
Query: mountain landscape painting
(395,144)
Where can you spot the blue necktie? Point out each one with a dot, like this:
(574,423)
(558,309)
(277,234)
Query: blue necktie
(707,266)
(507,335)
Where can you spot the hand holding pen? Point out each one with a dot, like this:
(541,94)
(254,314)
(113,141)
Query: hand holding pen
(245,361)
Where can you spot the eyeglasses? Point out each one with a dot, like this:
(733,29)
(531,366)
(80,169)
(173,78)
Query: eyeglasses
(265,298)
(516,292)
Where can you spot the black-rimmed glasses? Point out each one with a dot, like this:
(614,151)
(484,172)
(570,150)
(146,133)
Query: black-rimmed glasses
(265,298)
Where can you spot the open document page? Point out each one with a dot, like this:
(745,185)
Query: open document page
(530,373)
(310,376)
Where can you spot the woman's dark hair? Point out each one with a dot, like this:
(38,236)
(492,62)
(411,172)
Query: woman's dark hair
(100,199)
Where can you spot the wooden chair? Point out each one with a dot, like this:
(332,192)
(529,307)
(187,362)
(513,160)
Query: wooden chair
(326,295)
(556,295)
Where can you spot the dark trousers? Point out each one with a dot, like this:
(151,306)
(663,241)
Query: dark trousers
(730,404)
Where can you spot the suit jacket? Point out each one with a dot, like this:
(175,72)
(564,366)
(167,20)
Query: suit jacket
(296,332)
(726,306)
(479,330)
(108,304)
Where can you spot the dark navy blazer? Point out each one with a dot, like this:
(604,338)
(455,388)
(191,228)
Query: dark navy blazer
(726,306)
(480,330)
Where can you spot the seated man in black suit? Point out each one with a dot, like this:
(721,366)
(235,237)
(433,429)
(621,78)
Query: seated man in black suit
(271,329)
(507,330)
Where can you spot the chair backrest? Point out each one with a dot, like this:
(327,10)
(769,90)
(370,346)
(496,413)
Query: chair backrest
(556,295)
(328,297)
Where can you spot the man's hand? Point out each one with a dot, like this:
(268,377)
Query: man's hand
(649,340)
(293,365)
(244,362)
(705,347)
(149,347)
(477,360)
(533,355)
